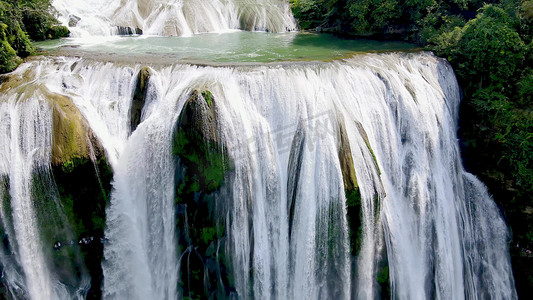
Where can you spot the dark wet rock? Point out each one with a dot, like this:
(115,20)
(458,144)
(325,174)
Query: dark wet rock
(201,171)
(139,97)
(73,20)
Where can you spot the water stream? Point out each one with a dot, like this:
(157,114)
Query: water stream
(284,202)
(331,174)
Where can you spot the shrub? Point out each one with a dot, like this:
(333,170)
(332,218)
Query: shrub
(8,57)
(56,32)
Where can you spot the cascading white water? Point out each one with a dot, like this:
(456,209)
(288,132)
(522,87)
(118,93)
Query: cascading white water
(25,143)
(173,17)
(287,216)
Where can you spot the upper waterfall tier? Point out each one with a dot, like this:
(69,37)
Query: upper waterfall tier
(340,180)
(173,17)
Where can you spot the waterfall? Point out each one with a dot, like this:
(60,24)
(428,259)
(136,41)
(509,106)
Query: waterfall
(342,180)
(172,17)
(26,146)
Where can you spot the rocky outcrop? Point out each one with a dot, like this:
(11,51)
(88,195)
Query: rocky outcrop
(75,208)
(197,144)
(353,203)
(139,97)
(351,188)
(128,30)
(72,136)
(201,170)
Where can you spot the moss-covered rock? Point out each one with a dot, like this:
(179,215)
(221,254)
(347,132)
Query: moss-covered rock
(200,173)
(197,144)
(70,197)
(351,188)
(53,225)
(16,80)
(6,217)
(83,179)
(139,97)
(364,135)
(353,204)
(72,137)
(5,197)
(84,188)
(383,279)
(69,203)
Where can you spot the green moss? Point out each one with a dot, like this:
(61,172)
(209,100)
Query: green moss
(364,135)
(208,97)
(68,166)
(6,198)
(384,280)
(383,275)
(84,194)
(70,201)
(354,214)
(54,224)
(208,234)
(353,198)
(198,150)
(201,172)
(352,192)
(374,158)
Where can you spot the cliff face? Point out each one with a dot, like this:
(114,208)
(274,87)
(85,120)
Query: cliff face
(72,136)
(83,177)
(240,178)
(69,189)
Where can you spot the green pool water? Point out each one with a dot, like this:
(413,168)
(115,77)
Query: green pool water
(231,47)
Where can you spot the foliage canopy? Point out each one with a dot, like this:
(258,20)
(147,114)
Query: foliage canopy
(20,21)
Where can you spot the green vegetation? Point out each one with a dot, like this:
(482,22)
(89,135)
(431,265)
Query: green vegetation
(53,223)
(384,280)
(491,50)
(198,150)
(70,201)
(201,171)
(20,21)
(353,207)
(352,192)
(492,57)
(84,188)
(208,97)
(8,56)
